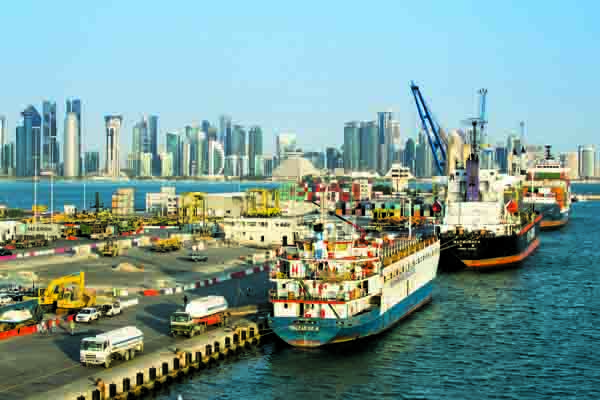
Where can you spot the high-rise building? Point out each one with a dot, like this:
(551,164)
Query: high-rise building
(570,160)
(145,140)
(71,146)
(166,164)
(3,140)
(284,142)
(255,149)
(384,127)
(333,156)
(145,164)
(173,146)
(268,165)
(186,157)
(153,134)
(351,146)
(225,133)
(368,146)
(8,159)
(501,159)
(201,157)
(410,153)
(50,157)
(424,158)
(394,144)
(238,141)
(74,105)
(28,143)
(216,160)
(317,158)
(92,162)
(587,158)
(113,129)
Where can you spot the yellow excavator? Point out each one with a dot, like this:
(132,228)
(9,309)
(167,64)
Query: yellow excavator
(76,297)
(67,292)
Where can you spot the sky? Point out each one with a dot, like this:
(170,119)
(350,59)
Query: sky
(306,67)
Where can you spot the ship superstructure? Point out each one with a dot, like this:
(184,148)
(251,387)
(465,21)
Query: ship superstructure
(480,228)
(547,189)
(335,287)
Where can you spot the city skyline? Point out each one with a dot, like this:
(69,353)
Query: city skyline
(523,56)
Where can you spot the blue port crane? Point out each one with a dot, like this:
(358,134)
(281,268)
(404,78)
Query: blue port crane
(432,130)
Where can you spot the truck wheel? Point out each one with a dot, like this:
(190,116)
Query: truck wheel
(142,348)
(126,355)
(132,354)
(192,333)
(107,362)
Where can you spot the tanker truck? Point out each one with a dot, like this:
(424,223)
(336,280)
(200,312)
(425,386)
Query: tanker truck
(122,343)
(198,315)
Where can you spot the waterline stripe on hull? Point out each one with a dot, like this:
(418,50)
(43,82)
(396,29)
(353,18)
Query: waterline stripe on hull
(545,224)
(499,261)
(528,226)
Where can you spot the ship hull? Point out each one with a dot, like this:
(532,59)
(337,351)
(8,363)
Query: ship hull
(315,332)
(472,251)
(554,218)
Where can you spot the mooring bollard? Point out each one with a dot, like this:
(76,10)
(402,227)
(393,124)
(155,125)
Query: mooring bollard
(152,375)
(81,398)
(251,332)
(126,384)
(165,368)
(198,357)
(139,379)
(188,359)
(112,390)
(96,395)
(175,363)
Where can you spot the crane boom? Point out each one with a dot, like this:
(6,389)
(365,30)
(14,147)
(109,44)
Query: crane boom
(436,142)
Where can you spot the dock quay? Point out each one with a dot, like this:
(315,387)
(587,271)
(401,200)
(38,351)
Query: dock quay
(149,372)
(586,197)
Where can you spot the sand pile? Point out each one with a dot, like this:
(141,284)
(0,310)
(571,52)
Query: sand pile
(127,267)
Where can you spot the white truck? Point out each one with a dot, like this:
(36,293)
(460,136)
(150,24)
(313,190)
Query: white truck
(120,343)
(200,314)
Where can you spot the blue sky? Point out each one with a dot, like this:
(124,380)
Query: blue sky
(306,67)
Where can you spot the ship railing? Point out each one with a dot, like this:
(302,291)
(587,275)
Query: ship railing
(327,276)
(401,249)
(350,295)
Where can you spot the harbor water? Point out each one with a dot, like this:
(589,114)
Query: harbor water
(20,194)
(525,333)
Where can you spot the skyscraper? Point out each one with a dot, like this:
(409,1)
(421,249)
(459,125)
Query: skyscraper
(225,133)
(153,136)
(285,142)
(113,129)
(50,153)
(174,148)
(587,158)
(3,139)
(384,125)
(570,160)
(368,146)
(71,146)
(28,143)
(409,155)
(333,156)
(255,148)
(74,106)
(351,146)
(238,141)
(92,162)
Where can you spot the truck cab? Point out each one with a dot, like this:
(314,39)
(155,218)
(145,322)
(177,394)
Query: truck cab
(121,343)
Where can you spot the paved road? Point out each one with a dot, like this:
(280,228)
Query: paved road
(170,268)
(36,363)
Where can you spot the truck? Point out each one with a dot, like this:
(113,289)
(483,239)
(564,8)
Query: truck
(198,315)
(122,343)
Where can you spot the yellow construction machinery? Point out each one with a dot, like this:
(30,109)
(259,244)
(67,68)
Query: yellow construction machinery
(76,296)
(166,245)
(191,208)
(110,248)
(262,203)
(49,297)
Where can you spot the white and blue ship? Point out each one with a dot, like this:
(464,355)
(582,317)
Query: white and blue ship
(333,287)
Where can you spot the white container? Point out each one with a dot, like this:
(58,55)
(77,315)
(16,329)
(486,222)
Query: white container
(119,343)
(206,306)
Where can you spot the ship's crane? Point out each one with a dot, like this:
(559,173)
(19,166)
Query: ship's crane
(437,140)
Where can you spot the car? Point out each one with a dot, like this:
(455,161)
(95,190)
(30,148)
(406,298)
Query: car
(197,257)
(88,315)
(110,310)
(5,299)
(5,252)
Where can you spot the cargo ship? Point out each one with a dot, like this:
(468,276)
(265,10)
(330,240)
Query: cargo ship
(481,228)
(548,191)
(334,287)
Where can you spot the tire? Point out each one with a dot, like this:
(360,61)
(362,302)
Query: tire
(192,333)
(126,356)
(107,362)
(131,354)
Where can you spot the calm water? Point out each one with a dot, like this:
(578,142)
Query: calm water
(527,333)
(19,194)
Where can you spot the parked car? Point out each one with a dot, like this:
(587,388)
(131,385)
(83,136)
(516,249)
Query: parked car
(110,310)
(88,315)
(197,257)
(5,299)
(5,252)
